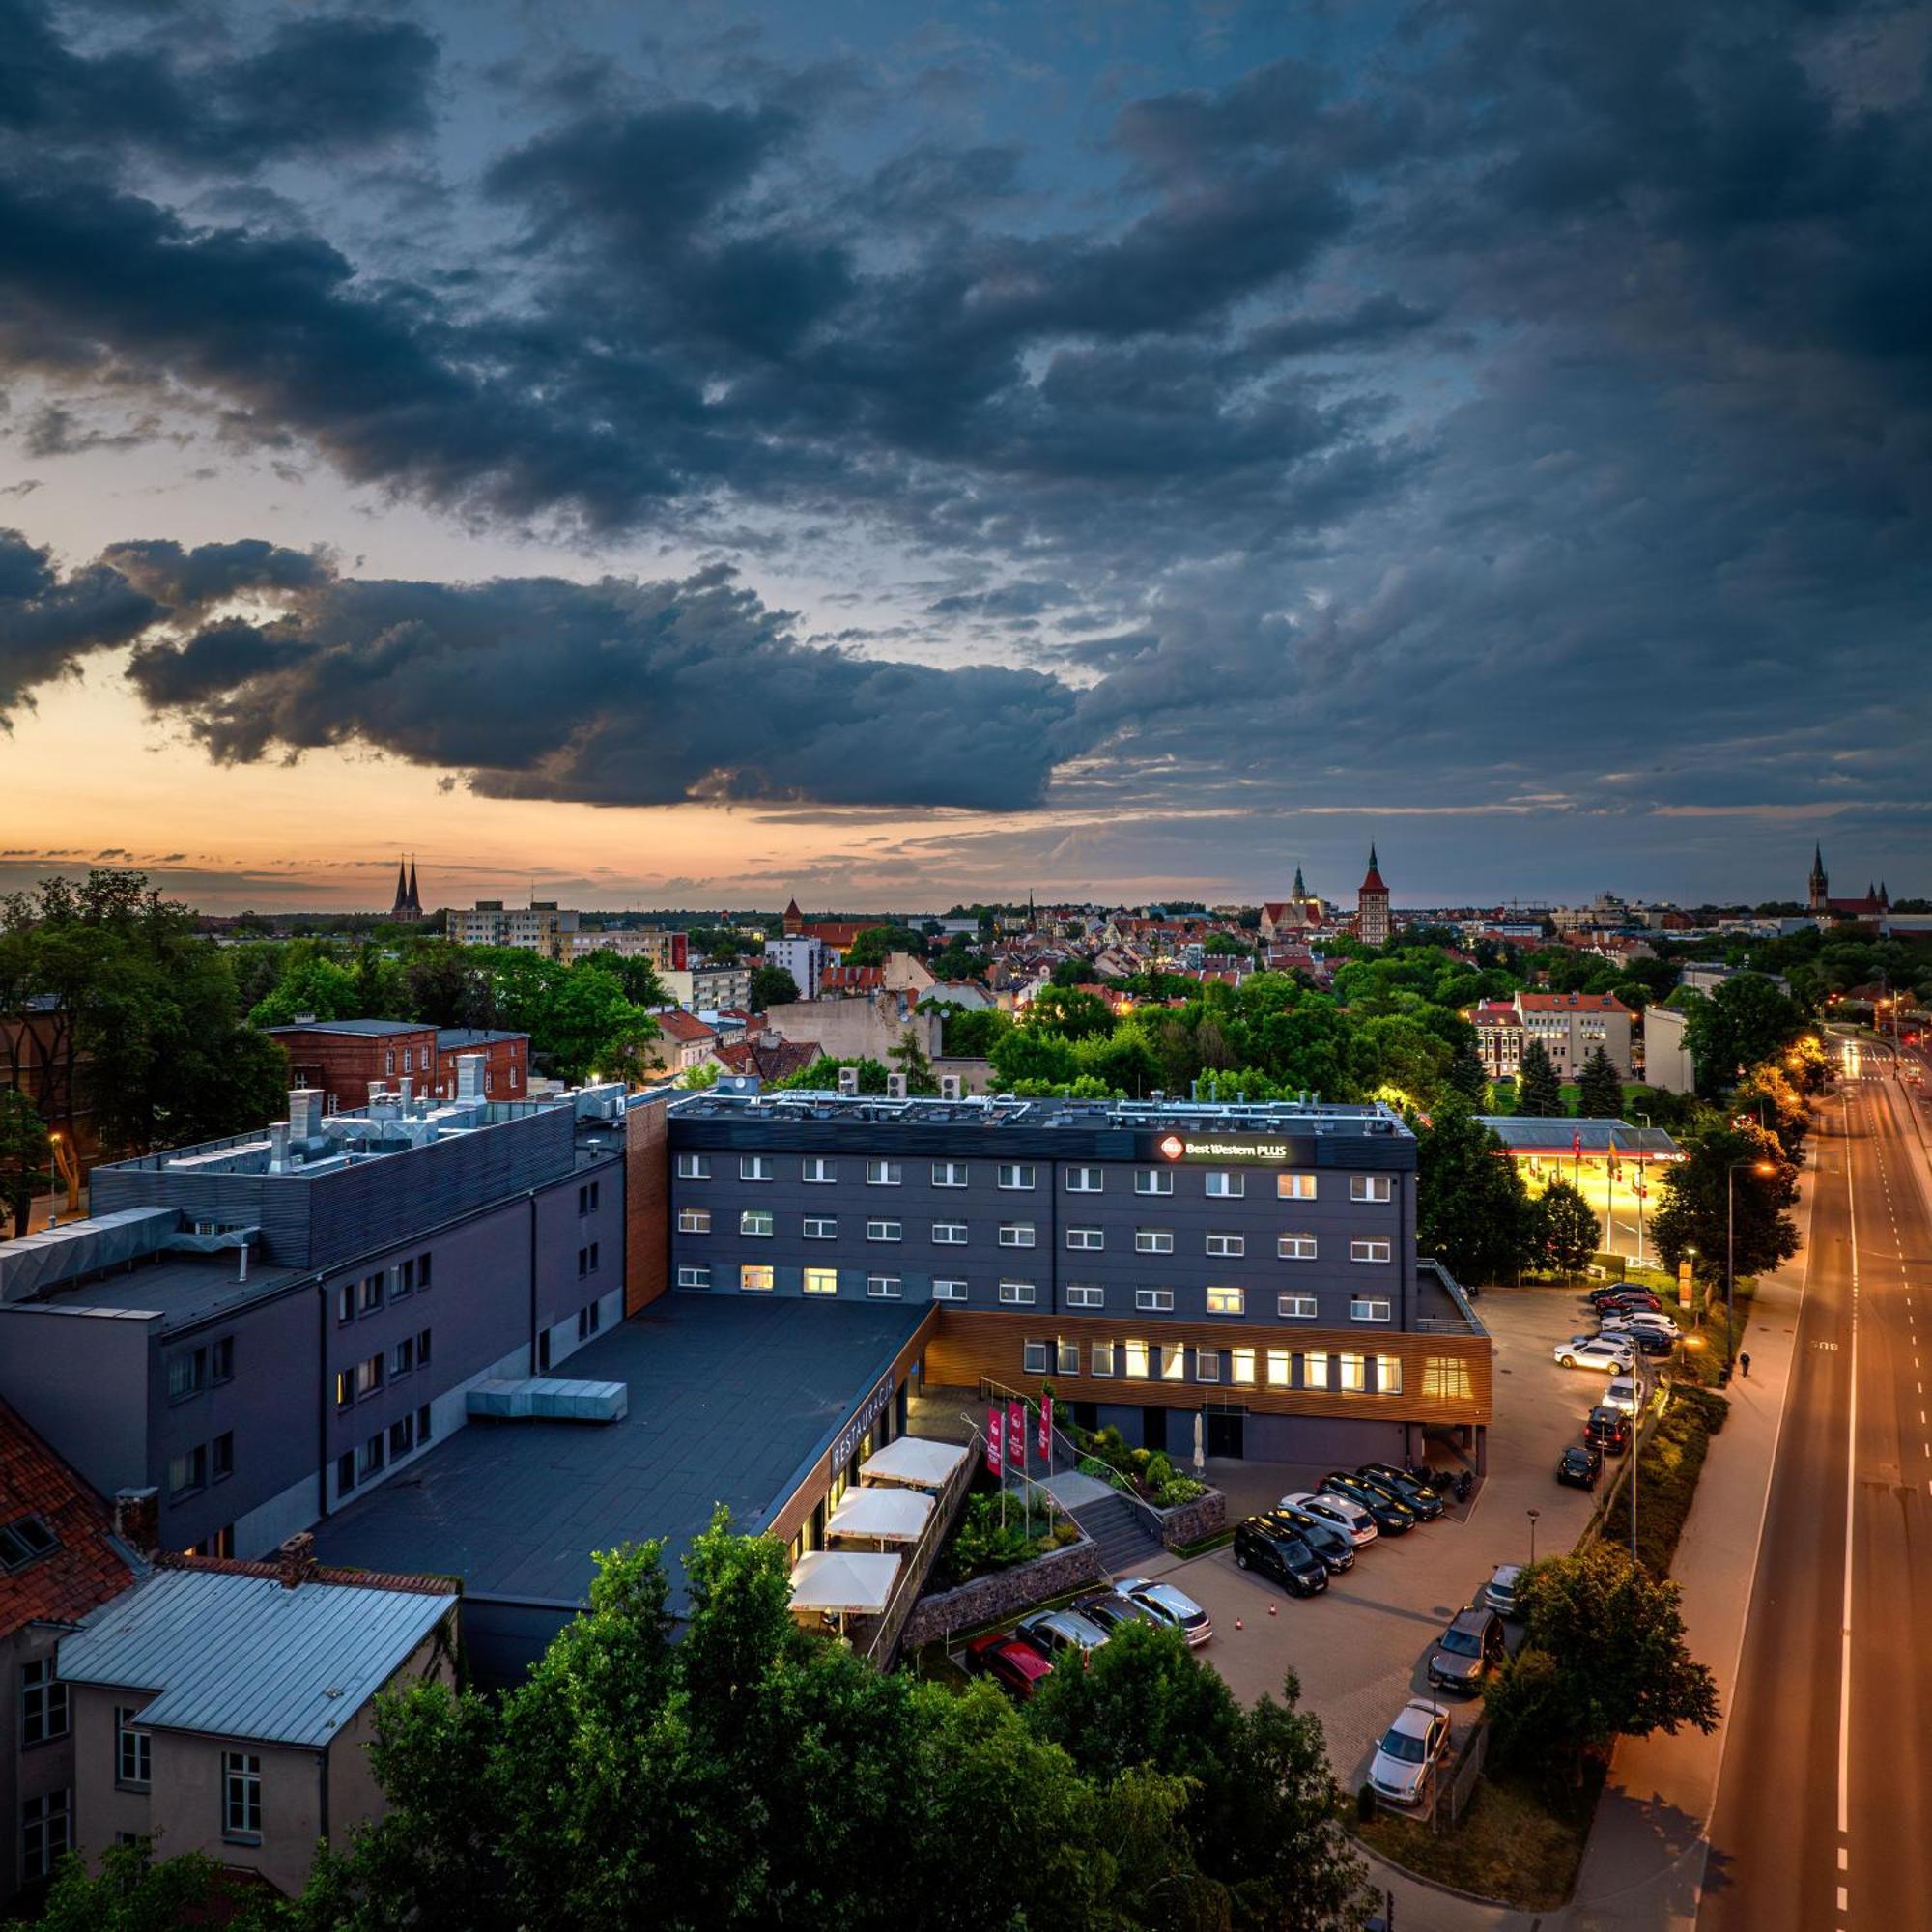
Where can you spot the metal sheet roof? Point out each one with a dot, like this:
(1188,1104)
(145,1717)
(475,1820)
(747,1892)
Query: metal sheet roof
(241,1656)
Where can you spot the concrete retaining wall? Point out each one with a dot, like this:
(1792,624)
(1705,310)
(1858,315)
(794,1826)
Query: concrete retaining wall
(987,1599)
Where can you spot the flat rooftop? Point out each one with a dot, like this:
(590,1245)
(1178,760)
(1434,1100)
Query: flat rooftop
(181,1289)
(730,1400)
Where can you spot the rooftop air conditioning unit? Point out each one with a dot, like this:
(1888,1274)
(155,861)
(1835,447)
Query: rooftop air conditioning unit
(896,1086)
(950,1087)
(848,1080)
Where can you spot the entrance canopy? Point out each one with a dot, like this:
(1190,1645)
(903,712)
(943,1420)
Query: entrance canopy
(838,1583)
(884,1515)
(913,1460)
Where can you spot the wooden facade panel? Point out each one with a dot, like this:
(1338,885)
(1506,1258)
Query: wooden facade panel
(646,1206)
(968,1343)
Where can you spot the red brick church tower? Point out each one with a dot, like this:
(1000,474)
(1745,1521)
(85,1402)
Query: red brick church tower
(1372,906)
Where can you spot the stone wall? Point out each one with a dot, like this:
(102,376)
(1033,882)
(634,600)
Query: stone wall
(1189,1523)
(1006,1593)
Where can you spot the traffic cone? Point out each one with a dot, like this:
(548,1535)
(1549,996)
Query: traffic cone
(1270,1609)
(1238,1623)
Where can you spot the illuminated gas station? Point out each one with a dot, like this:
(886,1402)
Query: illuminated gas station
(1613,1165)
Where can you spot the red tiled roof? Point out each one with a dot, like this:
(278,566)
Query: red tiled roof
(681,1026)
(86,1570)
(1572,1003)
(769,1060)
(852,978)
(839,933)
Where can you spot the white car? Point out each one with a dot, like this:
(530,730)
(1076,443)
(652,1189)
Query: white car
(1607,1354)
(1500,1591)
(1638,1318)
(1351,1518)
(1625,1393)
(1409,1751)
(1166,1604)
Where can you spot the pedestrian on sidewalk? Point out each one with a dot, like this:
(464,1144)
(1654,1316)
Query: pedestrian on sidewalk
(1744,1362)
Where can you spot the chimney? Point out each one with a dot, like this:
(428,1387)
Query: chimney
(137,1519)
(408,1086)
(469,1076)
(242,1273)
(375,1093)
(304,1113)
(278,1147)
(294,1560)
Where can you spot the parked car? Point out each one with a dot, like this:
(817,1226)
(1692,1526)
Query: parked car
(1627,1320)
(1111,1613)
(1622,1291)
(1607,1354)
(1008,1661)
(1168,1606)
(1624,1392)
(1411,1749)
(1419,1496)
(1056,1634)
(1499,1592)
(1580,1465)
(1468,1650)
(1609,1430)
(1653,1343)
(1631,1298)
(1335,1546)
(1389,1513)
(1272,1547)
(1351,1518)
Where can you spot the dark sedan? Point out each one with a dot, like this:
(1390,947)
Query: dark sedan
(1580,1465)
(1419,1496)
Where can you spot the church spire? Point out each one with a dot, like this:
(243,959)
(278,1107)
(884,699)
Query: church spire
(415,898)
(1301,891)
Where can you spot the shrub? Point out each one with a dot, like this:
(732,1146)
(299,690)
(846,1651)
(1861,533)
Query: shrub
(1179,1489)
(1159,1471)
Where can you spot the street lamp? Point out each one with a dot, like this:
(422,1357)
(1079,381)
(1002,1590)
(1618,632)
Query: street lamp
(53,1178)
(1731,1252)
(1532,1514)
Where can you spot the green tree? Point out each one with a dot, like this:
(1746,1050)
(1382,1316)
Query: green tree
(313,984)
(822,1075)
(130,1892)
(637,975)
(1469,1075)
(1472,1209)
(1567,1230)
(772,986)
(1599,1092)
(1745,1021)
(26,1149)
(1721,1191)
(876,943)
(1538,1091)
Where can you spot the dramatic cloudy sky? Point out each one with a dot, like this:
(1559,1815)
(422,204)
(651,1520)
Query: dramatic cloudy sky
(692,453)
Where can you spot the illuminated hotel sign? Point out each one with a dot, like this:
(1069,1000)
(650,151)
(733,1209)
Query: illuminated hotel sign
(1178,1146)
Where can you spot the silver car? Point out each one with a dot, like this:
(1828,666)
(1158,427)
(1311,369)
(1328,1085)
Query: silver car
(1351,1518)
(1411,1749)
(1608,1354)
(1168,1606)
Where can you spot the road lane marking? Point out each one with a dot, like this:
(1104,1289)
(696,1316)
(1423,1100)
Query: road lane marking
(1851,1497)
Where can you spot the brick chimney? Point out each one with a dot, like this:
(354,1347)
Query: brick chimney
(294,1560)
(137,1519)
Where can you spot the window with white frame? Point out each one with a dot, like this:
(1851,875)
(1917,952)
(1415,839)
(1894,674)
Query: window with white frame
(1018,1294)
(133,1750)
(1368,1187)
(1227,1301)
(1173,1364)
(241,1795)
(1154,1240)
(1369,1251)
(1295,1307)
(756,1223)
(821,1281)
(757,1278)
(693,1220)
(756,1167)
(1355,1371)
(1241,1364)
(1086,1295)
(1296,1247)
(43,1705)
(949,1173)
(1278,1368)
(693,1277)
(1100,1358)
(1156,1301)
(883,1287)
(1017,1175)
(1086,1179)
(1088,1238)
(944,1290)
(1368,1308)
(1294,1186)
(1065,1357)
(1225,1185)
(1388,1375)
(821,1228)
(884,1230)
(1134,1364)
(1154,1180)
(949,1233)
(1228,1247)
(1315,1369)
(1207,1365)
(819,1170)
(1036,1359)
(1016,1233)
(884,1174)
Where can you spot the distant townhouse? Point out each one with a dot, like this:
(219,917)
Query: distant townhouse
(683,1042)
(343,1060)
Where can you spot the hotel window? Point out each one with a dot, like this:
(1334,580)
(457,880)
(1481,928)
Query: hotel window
(221,1456)
(190,1469)
(370,1296)
(949,1173)
(1388,1374)
(1154,1240)
(345,1387)
(821,1281)
(344,1473)
(694,1167)
(820,1228)
(1296,1247)
(345,1303)
(586,1261)
(819,1171)
(949,1233)
(883,1287)
(756,1278)
(1225,1185)
(43,1711)
(222,1360)
(1315,1369)
(756,1167)
(404,1281)
(884,1230)
(1085,1180)
(402,1436)
(1294,1186)
(693,1277)
(1156,1301)
(1207,1365)
(1036,1359)
(1355,1371)
(1295,1307)
(1152,1180)
(884,1174)
(1100,1358)
(1136,1364)
(1446,1377)
(1368,1187)
(1018,1294)
(1368,1308)
(1086,1238)
(1228,1247)
(241,1795)
(46,1834)
(134,1751)
(1227,1301)
(1369,1251)
(1173,1363)
(1016,1233)
(422,1274)
(1065,1357)
(1017,1175)
(369,1459)
(1085,1295)
(1278,1368)
(757,1222)
(586,1199)
(589,1318)
(1243,1363)
(948,1291)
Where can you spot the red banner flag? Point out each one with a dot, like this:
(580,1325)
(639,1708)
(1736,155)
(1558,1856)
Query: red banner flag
(996,1424)
(1576,1140)
(1016,1436)
(1045,1429)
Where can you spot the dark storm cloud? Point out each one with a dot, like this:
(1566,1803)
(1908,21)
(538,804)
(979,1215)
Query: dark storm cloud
(188,578)
(48,622)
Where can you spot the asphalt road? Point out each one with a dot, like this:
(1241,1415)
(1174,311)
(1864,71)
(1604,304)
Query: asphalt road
(1824,1810)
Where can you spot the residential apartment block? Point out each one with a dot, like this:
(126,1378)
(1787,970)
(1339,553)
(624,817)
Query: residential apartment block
(1571,1027)
(542,926)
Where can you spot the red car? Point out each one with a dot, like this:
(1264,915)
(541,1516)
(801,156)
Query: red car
(1008,1661)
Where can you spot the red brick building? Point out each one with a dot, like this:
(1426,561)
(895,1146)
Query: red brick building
(506,1061)
(341,1058)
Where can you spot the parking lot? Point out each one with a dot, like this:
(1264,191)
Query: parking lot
(1361,1648)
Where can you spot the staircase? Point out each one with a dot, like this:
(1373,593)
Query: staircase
(1121,1532)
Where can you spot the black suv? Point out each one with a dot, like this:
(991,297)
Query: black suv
(1387,1510)
(1276,1551)
(1419,1496)
(1336,1548)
